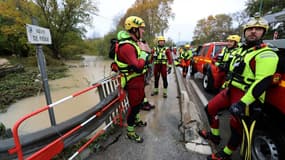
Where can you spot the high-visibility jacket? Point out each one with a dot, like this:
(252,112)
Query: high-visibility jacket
(227,54)
(159,55)
(225,57)
(248,70)
(127,72)
(186,54)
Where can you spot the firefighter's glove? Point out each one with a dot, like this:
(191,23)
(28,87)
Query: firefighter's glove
(237,109)
(143,55)
(169,70)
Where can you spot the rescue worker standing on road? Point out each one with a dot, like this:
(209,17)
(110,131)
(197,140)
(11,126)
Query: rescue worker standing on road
(251,72)
(185,58)
(131,59)
(162,60)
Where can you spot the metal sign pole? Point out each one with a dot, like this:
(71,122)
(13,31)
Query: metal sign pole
(42,68)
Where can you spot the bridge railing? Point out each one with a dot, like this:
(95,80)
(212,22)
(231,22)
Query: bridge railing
(111,109)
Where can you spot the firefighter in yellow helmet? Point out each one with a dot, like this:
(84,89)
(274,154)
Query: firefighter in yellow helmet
(225,57)
(131,58)
(162,65)
(250,74)
(185,58)
(229,51)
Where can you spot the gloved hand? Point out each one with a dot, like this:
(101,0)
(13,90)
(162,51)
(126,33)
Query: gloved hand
(237,109)
(169,70)
(143,55)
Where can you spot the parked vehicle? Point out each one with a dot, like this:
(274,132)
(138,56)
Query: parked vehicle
(268,140)
(204,62)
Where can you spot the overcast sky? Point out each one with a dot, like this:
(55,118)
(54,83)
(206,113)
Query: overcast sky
(187,13)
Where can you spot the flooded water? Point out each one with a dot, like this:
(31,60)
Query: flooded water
(81,75)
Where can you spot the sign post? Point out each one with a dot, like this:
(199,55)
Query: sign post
(39,35)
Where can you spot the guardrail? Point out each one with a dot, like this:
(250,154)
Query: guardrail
(111,109)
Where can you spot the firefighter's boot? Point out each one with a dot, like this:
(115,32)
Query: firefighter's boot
(209,136)
(147,106)
(155,92)
(132,135)
(139,122)
(165,93)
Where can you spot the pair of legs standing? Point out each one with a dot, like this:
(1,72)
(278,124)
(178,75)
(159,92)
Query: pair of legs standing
(160,69)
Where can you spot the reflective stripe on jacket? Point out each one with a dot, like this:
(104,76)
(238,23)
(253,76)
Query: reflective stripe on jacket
(186,55)
(127,72)
(247,78)
(160,55)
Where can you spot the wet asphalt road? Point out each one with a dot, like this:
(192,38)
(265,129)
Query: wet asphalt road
(162,139)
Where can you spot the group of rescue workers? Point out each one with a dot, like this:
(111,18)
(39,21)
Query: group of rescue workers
(249,66)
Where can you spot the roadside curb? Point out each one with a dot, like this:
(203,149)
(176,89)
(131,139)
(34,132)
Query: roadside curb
(190,120)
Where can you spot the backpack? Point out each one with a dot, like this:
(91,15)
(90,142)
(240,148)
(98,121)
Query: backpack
(113,48)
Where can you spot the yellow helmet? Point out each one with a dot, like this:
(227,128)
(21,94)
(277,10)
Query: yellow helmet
(134,22)
(234,38)
(187,46)
(256,21)
(160,38)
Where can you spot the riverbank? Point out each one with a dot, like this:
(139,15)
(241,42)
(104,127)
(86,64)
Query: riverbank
(80,74)
(16,85)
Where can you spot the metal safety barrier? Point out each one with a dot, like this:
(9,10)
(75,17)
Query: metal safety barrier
(113,110)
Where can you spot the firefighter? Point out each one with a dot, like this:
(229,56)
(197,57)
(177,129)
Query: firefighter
(185,58)
(251,71)
(224,58)
(162,65)
(131,59)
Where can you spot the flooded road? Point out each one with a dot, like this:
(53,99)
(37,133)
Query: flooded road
(81,75)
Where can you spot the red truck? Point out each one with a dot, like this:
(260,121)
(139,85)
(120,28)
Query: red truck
(204,62)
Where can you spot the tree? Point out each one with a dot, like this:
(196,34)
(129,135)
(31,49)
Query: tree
(239,19)
(64,18)
(213,28)
(264,6)
(156,14)
(12,27)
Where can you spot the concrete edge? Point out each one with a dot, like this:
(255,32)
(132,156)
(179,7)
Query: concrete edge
(190,120)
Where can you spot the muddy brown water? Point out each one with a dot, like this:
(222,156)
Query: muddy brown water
(81,75)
